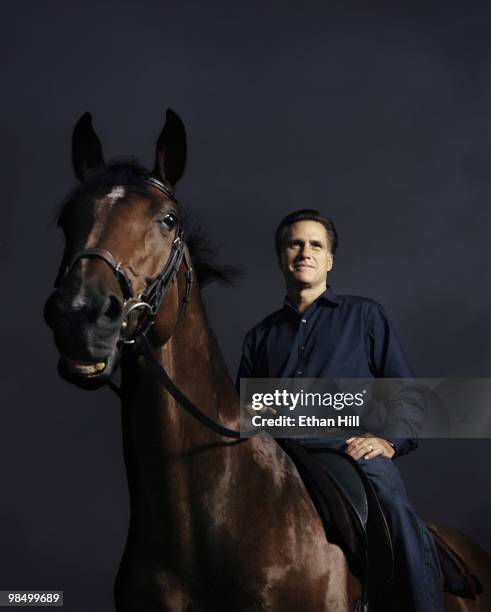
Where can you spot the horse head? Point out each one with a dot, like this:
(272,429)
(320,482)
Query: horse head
(123,250)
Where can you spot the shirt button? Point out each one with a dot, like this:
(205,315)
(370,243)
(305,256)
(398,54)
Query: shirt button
(304,320)
(299,372)
(302,348)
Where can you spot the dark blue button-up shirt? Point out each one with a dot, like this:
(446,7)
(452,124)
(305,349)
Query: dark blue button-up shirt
(338,336)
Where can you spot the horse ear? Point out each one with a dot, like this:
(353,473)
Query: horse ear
(87,158)
(170,157)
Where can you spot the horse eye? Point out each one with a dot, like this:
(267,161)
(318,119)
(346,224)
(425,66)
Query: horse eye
(169,221)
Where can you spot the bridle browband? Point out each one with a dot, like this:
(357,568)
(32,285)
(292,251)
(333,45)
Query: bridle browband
(150,301)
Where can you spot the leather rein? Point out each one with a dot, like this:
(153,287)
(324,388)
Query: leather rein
(149,301)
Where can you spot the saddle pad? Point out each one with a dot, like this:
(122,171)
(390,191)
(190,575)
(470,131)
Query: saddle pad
(458,578)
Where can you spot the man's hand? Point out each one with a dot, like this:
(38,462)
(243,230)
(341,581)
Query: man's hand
(368,448)
(262,410)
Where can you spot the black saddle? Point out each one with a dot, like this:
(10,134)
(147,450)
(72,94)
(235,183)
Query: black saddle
(350,511)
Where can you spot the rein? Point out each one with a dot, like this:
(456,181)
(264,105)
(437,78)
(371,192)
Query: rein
(182,399)
(150,301)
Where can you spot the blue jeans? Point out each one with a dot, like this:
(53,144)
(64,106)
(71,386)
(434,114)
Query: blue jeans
(417,577)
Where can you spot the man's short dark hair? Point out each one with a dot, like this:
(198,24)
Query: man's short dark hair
(306,214)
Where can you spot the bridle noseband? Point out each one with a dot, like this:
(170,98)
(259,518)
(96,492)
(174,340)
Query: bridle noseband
(150,300)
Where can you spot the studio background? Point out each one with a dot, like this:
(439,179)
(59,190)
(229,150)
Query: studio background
(378,116)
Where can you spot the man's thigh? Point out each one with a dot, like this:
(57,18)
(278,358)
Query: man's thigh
(382,472)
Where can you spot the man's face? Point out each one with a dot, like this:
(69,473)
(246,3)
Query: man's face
(306,256)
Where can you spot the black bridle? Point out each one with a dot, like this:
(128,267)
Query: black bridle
(150,301)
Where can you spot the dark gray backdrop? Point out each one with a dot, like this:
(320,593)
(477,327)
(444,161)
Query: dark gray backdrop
(379,116)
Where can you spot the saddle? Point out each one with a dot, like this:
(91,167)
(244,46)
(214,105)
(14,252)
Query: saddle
(353,519)
(349,509)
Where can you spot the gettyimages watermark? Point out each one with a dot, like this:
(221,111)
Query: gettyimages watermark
(385,407)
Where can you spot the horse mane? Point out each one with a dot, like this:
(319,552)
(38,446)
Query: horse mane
(129,173)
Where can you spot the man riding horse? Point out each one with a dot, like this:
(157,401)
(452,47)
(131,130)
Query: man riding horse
(203,535)
(318,334)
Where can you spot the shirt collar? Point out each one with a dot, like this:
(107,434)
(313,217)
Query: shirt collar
(327,296)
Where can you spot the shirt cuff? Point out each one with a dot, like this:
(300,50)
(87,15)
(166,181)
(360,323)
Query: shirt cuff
(402,446)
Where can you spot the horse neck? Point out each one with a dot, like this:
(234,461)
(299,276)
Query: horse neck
(195,363)
(158,434)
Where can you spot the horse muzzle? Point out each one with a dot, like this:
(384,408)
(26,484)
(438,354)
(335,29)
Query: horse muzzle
(86,334)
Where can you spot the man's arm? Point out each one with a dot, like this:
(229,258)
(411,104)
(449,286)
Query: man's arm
(388,360)
(246,364)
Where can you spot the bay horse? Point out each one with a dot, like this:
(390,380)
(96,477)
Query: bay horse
(216,523)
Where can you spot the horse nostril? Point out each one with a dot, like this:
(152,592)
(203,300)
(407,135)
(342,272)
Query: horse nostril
(114,308)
